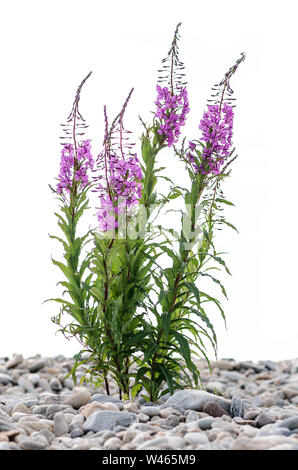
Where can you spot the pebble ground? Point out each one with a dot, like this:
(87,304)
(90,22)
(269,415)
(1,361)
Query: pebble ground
(241,406)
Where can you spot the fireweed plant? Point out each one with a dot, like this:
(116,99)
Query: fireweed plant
(140,324)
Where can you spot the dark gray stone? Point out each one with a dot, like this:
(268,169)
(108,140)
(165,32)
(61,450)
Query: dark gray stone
(290,423)
(205,423)
(172,421)
(55,385)
(195,400)
(76,433)
(108,420)
(237,407)
(250,365)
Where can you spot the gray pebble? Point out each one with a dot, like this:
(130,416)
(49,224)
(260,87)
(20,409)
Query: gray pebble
(60,425)
(108,420)
(205,423)
(290,423)
(77,432)
(150,410)
(55,385)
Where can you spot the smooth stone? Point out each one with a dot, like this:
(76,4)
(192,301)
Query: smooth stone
(49,435)
(281,379)
(38,365)
(51,399)
(252,414)
(4,415)
(195,400)
(259,443)
(270,365)
(55,385)
(68,383)
(237,407)
(40,409)
(90,408)
(120,429)
(141,427)
(143,418)
(34,443)
(195,438)
(172,421)
(156,443)
(108,420)
(60,425)
(205,423)
(21,408)
(291,423)
(272,430)
(14,361)
(50,409)
(6,379)
(102,398)
(77,422)
(113,443)
(9,446)
(131,407)
(264,418)
(232,376)
(294,431)
(44,385)
(250,365)
(5,426)
(26,384)
(33,378)
(77,399)
(212,409)
(224,364)
(95,406)
(77,432)
(289,392)
(150,410)
(128,436)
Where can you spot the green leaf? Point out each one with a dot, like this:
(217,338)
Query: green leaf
(224,201)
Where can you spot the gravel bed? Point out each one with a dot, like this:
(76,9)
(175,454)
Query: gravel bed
(241,406)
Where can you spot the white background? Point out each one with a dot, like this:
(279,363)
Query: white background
(46,50)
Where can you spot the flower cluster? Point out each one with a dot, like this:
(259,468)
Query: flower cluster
(74,166)
(217,128)
(121,191)
(171,110)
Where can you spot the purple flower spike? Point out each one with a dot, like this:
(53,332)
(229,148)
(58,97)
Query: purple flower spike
(75,167)
(76,158)
(171,112)
(217,128)
(120,187)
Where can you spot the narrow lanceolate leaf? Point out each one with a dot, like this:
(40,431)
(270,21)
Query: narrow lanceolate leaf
(193,288)
(217,281)
(224,201)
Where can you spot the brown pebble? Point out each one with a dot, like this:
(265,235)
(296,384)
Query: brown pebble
(212,409)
